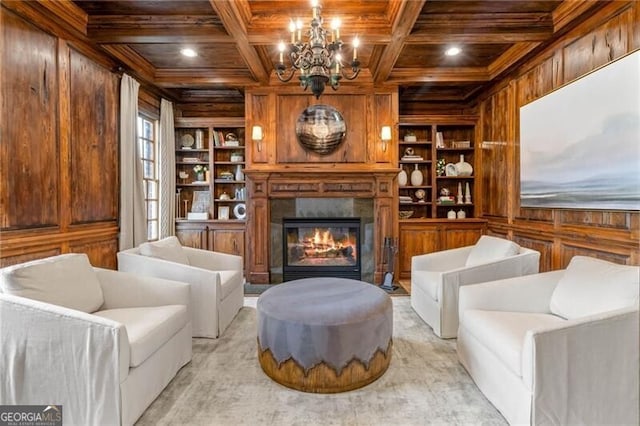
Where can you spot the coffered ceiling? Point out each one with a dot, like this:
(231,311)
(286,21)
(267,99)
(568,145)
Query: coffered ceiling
(402,41)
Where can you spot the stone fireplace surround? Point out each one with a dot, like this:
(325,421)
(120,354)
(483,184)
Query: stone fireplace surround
(268,186)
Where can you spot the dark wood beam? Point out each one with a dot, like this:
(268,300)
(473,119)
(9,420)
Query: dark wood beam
(441,74)
(510,57)
(231,13)
(408,13)
(199,77)
(111,29)
(133,60)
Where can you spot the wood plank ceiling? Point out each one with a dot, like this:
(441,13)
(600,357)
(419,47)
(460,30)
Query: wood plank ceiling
(402,41)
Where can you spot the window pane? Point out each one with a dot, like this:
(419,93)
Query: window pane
(152,210)
(147,151)
(148,169)
(152,231)
(151,189)
(139,126)
(148,129)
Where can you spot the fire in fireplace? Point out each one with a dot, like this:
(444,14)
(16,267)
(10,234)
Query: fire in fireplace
(321,247)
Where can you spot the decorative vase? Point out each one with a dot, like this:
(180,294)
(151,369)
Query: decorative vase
(461,214)
(239,173)
(467,194)
(402,178)
(451,214)
(416,177)
(463,168)
(459,192)
(200,176)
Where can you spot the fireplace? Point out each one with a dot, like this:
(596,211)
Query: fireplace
(321,247)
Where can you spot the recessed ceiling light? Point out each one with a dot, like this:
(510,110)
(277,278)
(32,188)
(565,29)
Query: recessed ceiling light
(190,53)
(453,51)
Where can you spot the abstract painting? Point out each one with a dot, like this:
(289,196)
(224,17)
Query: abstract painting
(580,145)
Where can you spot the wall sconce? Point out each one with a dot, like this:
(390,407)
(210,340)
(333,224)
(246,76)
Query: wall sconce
(385,136)
(256,135)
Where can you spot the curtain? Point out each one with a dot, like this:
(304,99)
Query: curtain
(133,215)
(167,170)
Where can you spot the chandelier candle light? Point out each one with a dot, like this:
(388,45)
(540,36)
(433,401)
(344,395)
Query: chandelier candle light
(318,60)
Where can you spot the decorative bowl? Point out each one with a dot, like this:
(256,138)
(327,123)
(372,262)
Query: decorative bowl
(405,214)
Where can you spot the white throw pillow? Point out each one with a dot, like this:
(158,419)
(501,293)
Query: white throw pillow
(489,249)
(168,249)
(590,286)
(67,280)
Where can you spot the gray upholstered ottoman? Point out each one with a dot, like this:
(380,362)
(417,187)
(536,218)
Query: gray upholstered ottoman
(324,335)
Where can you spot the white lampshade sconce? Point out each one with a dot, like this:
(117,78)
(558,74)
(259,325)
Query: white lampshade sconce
(385,136)
(256,136)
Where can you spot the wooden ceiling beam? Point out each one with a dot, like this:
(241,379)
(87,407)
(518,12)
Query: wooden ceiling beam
(231,13)
(471,37)
(408,13)
(157,35)
(199,77)
(570,10)
(510,57)
(438,75)
(133,60)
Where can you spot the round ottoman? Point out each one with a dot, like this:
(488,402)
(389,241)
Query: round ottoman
(324,335)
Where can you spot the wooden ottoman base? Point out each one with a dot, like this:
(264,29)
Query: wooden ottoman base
(322,378)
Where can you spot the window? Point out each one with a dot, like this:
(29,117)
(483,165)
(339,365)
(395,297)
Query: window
(148,146)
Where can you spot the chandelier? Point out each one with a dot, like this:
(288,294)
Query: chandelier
(318,61)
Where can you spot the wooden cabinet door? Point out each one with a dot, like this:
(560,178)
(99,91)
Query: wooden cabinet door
(414,240)
(193,237)
(229,241)
(462,235)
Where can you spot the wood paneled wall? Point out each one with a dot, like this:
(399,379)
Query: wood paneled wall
(59,153)
(558,234)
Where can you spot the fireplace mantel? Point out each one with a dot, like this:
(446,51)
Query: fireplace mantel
(265,184)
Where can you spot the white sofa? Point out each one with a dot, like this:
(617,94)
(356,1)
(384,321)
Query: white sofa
(216,279)
(436,277)
(559,347)
(103,344)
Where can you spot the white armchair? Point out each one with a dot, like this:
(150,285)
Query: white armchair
(436,277)
(559,347)
(216,279)
(103,344)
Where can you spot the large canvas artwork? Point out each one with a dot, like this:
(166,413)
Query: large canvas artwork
(580,145)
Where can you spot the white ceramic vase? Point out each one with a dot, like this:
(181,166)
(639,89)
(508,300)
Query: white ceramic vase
(463,168)
(239,173)
(451,214)
(461,214)
(416,177)
(459,193)
(467,194)
(402,178)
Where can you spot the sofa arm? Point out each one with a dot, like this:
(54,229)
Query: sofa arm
(528,293)
(585,371)
(213,261)
(441,260)
(127,290)
(52,354)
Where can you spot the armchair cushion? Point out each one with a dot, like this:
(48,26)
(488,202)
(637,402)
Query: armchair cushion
(168,249)
(148,328)
(504,332)
(590,286)
(488,249)
(67,280)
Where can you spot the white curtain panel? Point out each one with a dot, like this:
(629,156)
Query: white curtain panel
(133,215)
(167,171)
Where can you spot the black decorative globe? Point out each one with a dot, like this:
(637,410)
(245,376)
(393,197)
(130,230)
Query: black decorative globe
(321,129)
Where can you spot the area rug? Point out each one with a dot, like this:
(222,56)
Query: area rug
(224,385)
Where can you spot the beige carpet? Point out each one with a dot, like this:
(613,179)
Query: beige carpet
(224,385)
